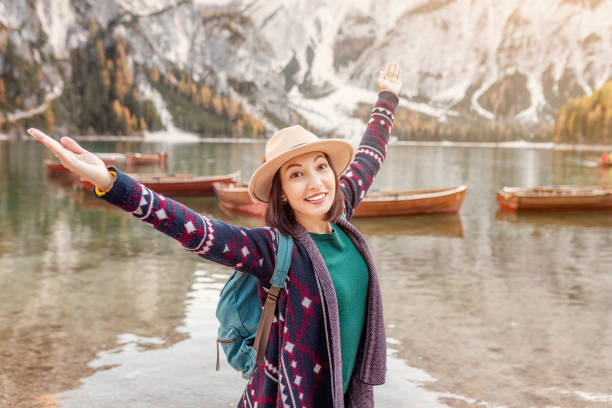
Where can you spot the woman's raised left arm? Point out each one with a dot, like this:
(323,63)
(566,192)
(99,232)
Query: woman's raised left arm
(372,150)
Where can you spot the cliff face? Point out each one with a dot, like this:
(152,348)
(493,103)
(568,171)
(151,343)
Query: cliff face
(510,61)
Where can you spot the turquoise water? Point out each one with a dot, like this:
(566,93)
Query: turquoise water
(483,308)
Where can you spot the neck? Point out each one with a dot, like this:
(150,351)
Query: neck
(317,226)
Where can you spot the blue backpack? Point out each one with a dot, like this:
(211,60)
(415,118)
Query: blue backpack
(244,328)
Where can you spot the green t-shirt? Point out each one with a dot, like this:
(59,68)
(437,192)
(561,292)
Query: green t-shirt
(350,276)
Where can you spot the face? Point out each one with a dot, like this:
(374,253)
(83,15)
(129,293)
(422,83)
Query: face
(309,185)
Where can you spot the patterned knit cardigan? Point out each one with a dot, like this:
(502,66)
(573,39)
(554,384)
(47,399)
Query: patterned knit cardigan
(303,365)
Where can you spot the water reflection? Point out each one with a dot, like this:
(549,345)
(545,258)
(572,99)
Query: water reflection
(514,313)
(557,219)
(441,225)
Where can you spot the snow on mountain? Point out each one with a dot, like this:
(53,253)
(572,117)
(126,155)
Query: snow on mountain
(510,60)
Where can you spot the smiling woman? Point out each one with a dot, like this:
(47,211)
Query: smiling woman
(327,344)
(305,189)
(310,188)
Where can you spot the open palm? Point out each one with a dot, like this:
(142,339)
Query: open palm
(84,164)
(390,79)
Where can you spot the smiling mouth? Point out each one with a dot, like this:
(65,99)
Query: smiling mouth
(316,198)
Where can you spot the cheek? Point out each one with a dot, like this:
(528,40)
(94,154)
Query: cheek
(292,190)
(331,182)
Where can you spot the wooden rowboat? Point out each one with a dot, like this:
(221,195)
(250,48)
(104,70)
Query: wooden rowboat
(256,209)
(181,184)
(232,193)
(436,225)
(140,159)
(54,167)
(605,160)
(555,198)
(392,203)
(236,197)
(375,204)
(604,163)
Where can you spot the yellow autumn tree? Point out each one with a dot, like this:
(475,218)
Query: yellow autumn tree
(217,105)
(93,27)
(117,111)
(257,127)
(123,75)
(127,119)
(238,127)
(231,107)
(2,91)
(100,53)
(49,118)
(154,75)
(571,125)
(206,96)
(105,78)
(121,86)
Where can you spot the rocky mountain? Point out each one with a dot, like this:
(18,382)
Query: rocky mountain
(466,64)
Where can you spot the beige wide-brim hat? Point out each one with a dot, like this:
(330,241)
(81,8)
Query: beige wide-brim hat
(291,142)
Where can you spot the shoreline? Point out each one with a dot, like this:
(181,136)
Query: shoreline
(518,144)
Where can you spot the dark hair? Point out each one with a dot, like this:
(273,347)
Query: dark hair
(280,215)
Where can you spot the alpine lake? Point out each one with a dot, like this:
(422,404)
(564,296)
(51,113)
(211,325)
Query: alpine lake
(482,309)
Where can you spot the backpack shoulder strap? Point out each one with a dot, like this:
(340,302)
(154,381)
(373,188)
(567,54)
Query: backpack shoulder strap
(283,260)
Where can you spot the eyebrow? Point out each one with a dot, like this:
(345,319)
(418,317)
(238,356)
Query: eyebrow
(299,165)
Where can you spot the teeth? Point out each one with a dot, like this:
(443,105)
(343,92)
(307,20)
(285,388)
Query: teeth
(317,197)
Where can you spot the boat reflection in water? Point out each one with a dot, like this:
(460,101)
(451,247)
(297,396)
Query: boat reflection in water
(555,198)
(437,225)
(555,219)
(382,203)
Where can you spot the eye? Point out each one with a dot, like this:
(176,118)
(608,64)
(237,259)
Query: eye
(322,166)
(295,174)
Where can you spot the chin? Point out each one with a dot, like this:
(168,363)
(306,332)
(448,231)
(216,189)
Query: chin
(317,212)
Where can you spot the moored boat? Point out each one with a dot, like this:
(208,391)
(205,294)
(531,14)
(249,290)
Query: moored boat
(141,159)
(393,202)
(605,160)
(180,184)
(555,198)
(256,209)
(375,204)
(54,167)
(602,163)
(236,197)
(232,193)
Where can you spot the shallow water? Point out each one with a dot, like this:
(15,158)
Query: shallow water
(483,308)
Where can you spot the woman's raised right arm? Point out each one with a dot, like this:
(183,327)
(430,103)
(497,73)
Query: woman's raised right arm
(250,250)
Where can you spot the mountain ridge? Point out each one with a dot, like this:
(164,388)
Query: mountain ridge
(464,63)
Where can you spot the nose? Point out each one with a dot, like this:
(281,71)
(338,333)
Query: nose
(315,182)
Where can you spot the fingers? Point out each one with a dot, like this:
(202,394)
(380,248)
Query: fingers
(64,155)
(49,142)
(392,70)
(71,145)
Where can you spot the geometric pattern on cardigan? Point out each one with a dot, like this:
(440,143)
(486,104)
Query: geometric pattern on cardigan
(302,366)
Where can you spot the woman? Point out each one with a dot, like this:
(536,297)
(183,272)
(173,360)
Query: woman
(327,343)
